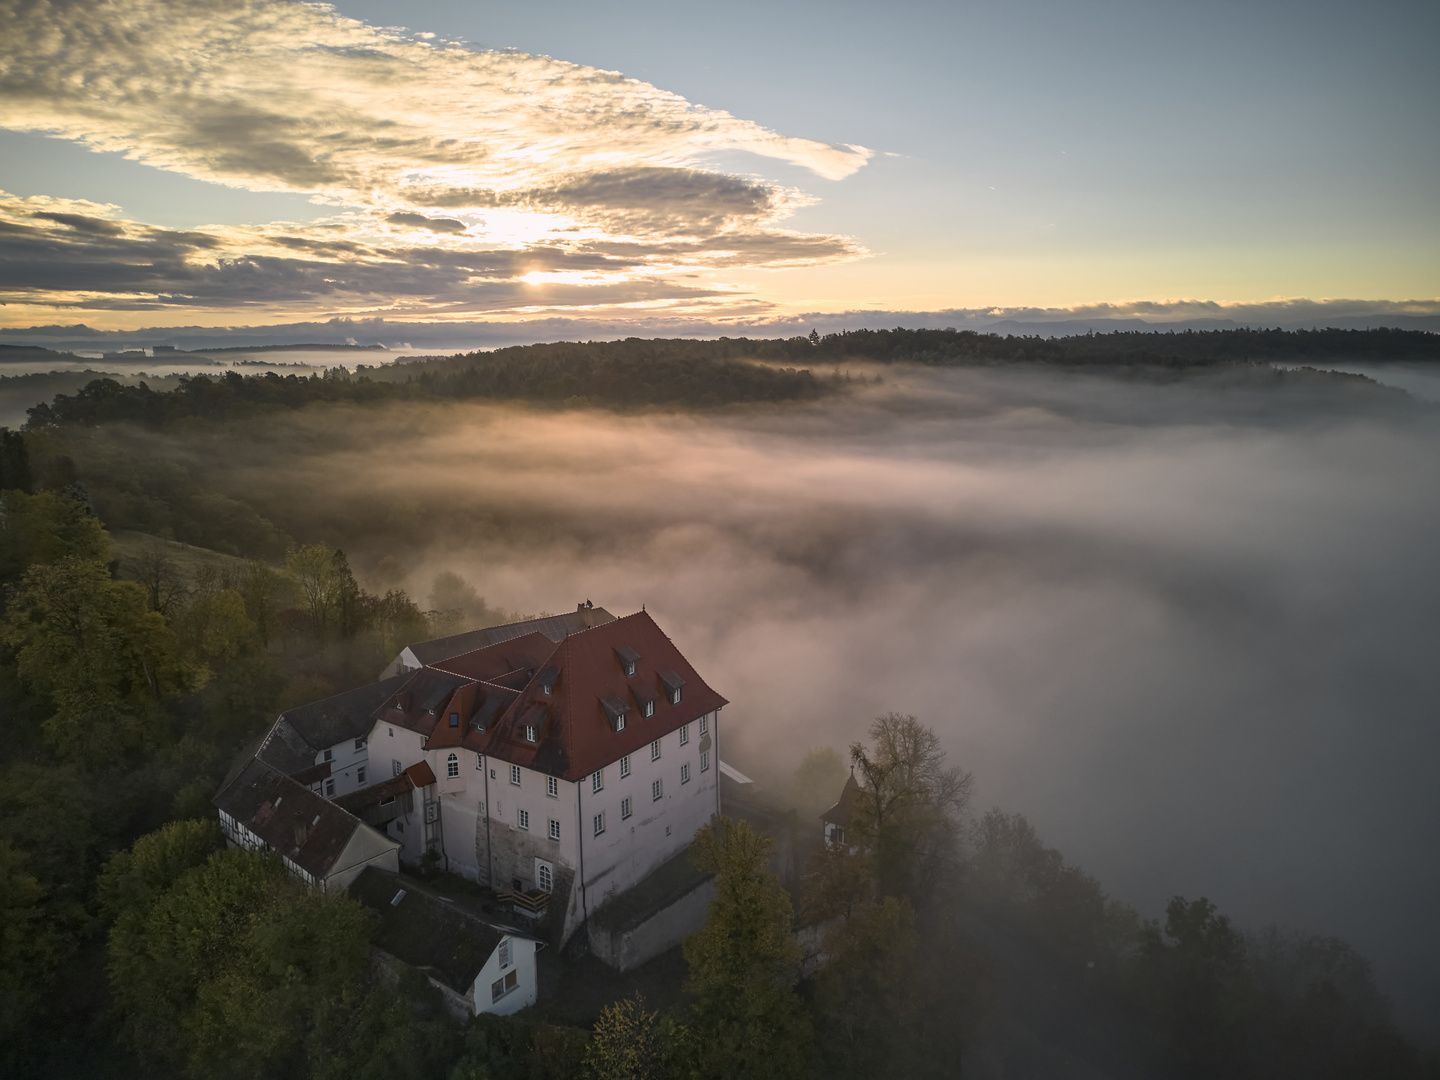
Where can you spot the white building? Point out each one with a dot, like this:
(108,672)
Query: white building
(478,966)
(566,773)
(556,773)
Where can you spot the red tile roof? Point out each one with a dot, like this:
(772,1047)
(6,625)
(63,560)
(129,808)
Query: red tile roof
(574,736)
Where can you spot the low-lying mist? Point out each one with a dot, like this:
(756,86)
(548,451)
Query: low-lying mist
(1187,625)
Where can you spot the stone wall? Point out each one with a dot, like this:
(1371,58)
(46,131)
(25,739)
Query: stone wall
(628,947)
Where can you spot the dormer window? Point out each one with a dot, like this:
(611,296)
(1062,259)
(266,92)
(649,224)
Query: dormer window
(629,659)
(454,719)
(547,679)
(530,732)
(615,711)
(674,686)
(645,699)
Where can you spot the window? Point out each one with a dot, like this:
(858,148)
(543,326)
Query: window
(452,767)
(360,775)
(597,780)
(624,766)
(599,823)
(704,760)
(522,818)
(655,750)
(454,719)
(500,987)
(552,787)
(325,756)
(625,808)
(330,788)
(647,707)
(704,724)
(359,744)
(685,773)
(657,790)
(515,775)
(479,761)
(685,735)
(675,696)
(394,768)
(392,732)
(554,829)
(544,878)
(529,732)
(620,722)
(506,954)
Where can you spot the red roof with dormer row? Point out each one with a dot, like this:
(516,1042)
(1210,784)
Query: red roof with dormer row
(575,734)
(492,700)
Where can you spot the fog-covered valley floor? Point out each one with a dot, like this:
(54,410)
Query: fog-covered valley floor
(1186,624)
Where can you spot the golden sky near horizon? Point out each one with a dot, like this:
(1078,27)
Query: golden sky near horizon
(250,162)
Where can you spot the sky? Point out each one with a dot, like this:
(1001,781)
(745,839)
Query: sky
(204,162)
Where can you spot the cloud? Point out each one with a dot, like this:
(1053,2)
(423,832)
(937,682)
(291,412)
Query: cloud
(420,221)
(74,254)
(295,97)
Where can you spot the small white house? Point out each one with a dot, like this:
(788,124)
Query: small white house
(478,966)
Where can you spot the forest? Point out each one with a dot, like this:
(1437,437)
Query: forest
(700,374)
(152,625)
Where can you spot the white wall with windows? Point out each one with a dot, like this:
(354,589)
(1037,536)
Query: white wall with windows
(646,809)
(349,768)
(507,982)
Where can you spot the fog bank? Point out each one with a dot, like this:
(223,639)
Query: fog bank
(1186,625)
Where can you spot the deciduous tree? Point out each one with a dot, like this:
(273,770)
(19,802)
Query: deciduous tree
(88,642)
(909,806)
(745,963)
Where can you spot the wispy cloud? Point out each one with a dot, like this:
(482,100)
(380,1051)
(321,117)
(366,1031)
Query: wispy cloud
(406,133)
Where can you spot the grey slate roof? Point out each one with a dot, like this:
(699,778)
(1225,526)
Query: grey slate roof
(556,627)
(340,718)
(309,831)
(437,938)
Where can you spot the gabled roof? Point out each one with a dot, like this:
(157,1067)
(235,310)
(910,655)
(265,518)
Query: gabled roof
(419,700)
(554,627)
(340,718)
(439,939)
(418,775)
(309,831)
(575,736)
(525,653)
(841,812)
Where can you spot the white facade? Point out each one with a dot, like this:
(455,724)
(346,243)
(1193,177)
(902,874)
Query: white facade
(349,769)
(508,981)
(487,822)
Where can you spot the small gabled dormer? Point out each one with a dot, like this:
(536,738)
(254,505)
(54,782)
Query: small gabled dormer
(645,699)
(615,711)
(629,659)
(547,680)
(674,686)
